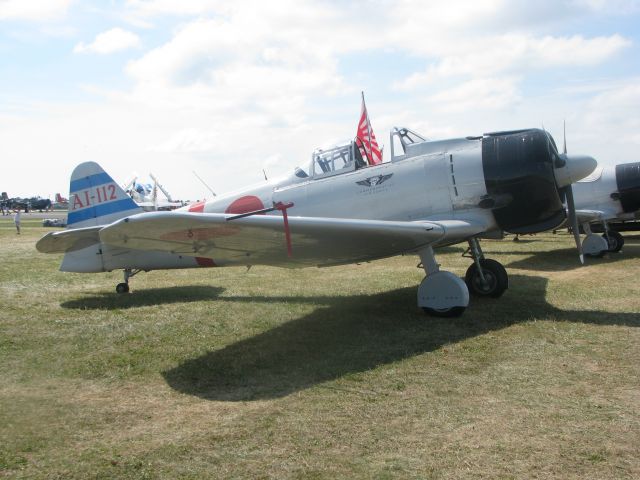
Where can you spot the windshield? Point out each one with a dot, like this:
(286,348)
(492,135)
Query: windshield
(300,173)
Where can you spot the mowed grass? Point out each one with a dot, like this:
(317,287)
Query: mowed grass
(320,373)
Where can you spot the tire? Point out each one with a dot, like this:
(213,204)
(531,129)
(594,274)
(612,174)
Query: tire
(614,240)
(122,288)
(445,312)
(495,275)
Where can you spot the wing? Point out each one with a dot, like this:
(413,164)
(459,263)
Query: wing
(260,239)
(68,240)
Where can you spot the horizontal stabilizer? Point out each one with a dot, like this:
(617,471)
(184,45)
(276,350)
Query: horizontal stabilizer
(66,241)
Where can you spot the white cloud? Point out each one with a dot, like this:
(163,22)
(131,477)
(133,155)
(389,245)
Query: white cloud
(611,7)
(519,54)
(33,10)
(113,40)
(189,140)
(489,93)
(252,69)
(149,8)
(616,109)
(259,64)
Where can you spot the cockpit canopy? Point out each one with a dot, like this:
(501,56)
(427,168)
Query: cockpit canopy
(347,157)
(342,158)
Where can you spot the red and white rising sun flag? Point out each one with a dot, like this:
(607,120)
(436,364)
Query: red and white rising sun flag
(366,140)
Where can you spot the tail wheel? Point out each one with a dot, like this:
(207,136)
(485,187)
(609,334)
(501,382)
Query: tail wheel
(122,288)
(614,240)
(495,276)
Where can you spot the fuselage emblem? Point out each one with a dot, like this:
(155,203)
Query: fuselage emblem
(374,181)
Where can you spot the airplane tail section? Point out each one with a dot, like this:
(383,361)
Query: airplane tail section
(96,199)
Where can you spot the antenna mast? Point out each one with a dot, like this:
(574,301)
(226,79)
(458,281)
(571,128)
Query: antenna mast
(203,182)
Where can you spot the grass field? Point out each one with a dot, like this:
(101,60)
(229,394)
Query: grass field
(320,373)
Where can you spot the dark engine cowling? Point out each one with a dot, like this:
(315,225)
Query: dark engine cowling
(628,182)
(519,174)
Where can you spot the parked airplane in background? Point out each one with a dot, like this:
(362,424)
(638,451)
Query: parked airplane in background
(40,204)
(610,193)
(26,204)
(341,209)
(61,202)
(146,195)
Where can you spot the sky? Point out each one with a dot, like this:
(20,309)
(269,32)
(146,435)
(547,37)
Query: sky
(229,89)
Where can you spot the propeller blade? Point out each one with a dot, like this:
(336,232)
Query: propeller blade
(564,137)
(573,220)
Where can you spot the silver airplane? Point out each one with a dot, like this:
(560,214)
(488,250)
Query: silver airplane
(338,210)
(609,194)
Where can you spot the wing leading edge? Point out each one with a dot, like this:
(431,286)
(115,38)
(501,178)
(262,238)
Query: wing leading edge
(260,239)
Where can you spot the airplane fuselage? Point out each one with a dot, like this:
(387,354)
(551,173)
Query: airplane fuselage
(612,190)
(444,181)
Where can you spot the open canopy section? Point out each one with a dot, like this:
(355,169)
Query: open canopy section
(342,158)
(401,138)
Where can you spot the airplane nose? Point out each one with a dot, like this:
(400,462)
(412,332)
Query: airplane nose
(576,168)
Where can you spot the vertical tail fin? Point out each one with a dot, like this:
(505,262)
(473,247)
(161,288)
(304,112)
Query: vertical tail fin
(96,199)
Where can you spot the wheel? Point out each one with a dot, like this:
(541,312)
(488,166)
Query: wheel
(497,280)
(595,246)
(614,240)
(122,288)
(444,312)
(443,294)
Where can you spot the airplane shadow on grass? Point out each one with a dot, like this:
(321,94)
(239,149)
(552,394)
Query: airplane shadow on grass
(144,297)
(563,259)
(357,334)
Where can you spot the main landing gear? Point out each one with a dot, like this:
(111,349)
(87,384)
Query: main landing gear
(442,294)
(485,277)
(124,286)
(615,241)
(594,245)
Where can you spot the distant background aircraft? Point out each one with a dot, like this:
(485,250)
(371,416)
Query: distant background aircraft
(60,202)
(146,195)
(26,204)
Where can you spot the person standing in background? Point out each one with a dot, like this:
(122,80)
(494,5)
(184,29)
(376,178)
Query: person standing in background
(16,219)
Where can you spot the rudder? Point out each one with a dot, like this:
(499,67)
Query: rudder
(96,199)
